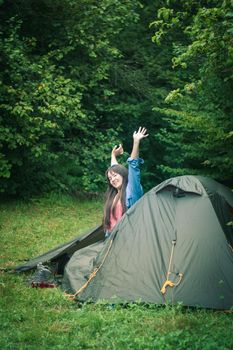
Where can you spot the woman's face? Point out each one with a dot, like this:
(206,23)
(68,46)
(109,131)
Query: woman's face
(115,179)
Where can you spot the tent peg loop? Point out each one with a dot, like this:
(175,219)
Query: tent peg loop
(169,283)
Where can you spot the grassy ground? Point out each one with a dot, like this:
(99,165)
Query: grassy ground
(43,319)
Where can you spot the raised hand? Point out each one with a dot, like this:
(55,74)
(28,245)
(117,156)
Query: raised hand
(117,151)
(140,134)
(137,137)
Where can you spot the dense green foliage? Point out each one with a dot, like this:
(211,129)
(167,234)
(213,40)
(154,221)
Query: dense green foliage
(44,319)
(77,77)
(56,59)
(198,122)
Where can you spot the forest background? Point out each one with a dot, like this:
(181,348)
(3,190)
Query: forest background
(78,77)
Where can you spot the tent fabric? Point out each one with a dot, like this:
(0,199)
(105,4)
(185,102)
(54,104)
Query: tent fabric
(177,232)
(80,267)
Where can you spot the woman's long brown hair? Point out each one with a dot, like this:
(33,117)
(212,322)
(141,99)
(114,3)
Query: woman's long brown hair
(111,193)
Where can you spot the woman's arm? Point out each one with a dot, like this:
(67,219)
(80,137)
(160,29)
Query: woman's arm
(116,151)
(134,189)
(137,137)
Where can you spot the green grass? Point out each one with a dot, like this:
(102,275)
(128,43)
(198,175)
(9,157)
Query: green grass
(44,319)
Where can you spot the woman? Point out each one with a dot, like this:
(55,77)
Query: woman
(124,187)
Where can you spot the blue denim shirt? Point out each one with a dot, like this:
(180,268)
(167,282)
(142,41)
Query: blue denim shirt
(134,189)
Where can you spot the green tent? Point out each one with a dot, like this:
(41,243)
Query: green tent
(174,245)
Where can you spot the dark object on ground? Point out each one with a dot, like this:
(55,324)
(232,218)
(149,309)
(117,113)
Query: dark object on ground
(42,278)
